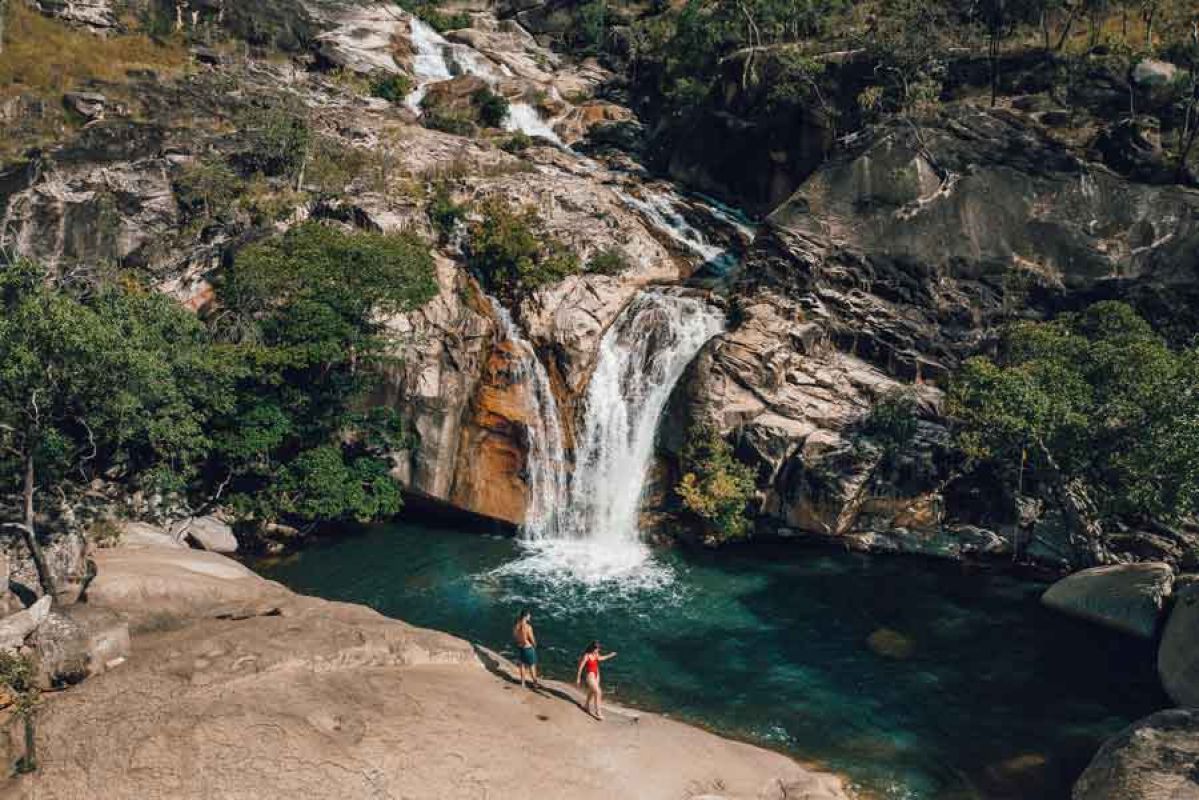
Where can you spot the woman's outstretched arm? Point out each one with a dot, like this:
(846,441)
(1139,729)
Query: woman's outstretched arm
(607,656)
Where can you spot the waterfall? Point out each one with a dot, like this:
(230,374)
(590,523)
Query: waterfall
(641,358)
(546,465)
(437,59)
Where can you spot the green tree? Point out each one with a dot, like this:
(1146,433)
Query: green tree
(1094,401)
(510,255)
(303,315)
(715,487)
(98,378)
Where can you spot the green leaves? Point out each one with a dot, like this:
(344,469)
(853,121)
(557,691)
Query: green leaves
(509,254)
(115,378)
(716,487)
(1109,399)
(322,484)
(310,342)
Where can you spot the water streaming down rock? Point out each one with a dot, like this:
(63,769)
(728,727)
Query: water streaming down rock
(546,459)
(641,358)
(437,59)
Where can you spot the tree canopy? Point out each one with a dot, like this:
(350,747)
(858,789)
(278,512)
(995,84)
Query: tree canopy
(1099,393)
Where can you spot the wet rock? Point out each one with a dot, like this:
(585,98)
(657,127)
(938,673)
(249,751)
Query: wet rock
(80,641)
(1128,598)
(1178,654)
(15,628)
(1156,758)
(891,644)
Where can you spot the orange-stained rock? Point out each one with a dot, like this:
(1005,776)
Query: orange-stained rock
(491,457)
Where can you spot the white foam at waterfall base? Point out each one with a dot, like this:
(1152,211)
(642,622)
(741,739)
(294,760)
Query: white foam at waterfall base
(641,358)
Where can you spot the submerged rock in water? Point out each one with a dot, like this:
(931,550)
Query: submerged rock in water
(1178,655)
(1125,597)
(891,644)
(1156,758)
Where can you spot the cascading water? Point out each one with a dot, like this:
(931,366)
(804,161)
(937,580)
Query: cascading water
(596,537)
(546,466)
(641,358)
(435,60)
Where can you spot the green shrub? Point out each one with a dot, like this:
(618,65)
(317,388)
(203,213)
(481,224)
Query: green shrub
(716,487)
(332,166)
(492,108)
(509,254)
(443,212)
(457,123)
(276,136)
(517,143)
(891,423)
(609,261)
(436,19)
(18,679)
(207,187)
(393,88)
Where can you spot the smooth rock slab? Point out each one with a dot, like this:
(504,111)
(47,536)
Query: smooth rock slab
(1178,655)
(1125,597)
(1156,758)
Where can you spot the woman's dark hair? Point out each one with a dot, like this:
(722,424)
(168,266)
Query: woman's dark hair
(525,613)
(592,648)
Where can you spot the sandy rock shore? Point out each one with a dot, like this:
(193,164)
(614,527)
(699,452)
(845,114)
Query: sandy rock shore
(239,688)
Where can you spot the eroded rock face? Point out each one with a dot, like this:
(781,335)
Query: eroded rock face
(1156,758)
(888,267)
(1178,655)
(1125,597)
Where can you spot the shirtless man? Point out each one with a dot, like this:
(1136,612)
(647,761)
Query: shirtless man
(526,647)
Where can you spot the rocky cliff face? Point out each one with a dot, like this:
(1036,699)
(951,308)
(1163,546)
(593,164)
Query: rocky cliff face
(894,259)
(890,265)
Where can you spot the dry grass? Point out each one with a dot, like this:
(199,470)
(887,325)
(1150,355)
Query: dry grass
(45,57)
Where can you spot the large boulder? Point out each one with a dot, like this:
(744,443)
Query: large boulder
(143,534)
(208,532)
(1156,758)
(1178,654)
(158,586)
(1125,597)
(79,641)
(15,628)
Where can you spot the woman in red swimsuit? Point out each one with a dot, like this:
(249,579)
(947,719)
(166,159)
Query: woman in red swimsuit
(590,662)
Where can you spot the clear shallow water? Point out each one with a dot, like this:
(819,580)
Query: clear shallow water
(984,693)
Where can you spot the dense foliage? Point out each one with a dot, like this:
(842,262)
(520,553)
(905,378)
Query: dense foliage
(1097,395)
(509,253)
(262,401)
(302,314)
(716,488)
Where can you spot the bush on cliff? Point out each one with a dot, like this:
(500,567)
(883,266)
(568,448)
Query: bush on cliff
(509,254)
(716,488)
(1096,397)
